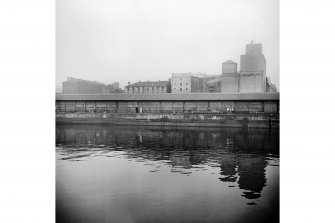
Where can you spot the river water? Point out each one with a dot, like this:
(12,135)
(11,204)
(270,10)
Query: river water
(154,174)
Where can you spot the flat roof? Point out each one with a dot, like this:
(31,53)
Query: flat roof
(270,96)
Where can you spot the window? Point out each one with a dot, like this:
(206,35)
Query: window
(181,89)
(186,89)
(186,83)
(181,84)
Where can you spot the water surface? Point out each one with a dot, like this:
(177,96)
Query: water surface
(154,174)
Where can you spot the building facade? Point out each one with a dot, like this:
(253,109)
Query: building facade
(252,82)
(253,70)
(213,84)
(230,83)
(114,88)
(187,83)
(230,79)
(229,67)
(79,86)
(149,87)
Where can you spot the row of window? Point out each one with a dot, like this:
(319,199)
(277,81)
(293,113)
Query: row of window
(146,88)
(180,89)
(181,84)
(139,92)
(186,78)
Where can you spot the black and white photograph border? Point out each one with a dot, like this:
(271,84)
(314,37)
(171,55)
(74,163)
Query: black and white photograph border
(164,118)
(28,166)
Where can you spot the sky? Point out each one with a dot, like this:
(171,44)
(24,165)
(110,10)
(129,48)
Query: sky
(130,40)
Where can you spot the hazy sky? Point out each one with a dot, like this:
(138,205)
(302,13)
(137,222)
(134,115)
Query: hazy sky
(132,40)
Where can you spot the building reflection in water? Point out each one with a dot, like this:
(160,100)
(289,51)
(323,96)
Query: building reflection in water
(252,176)
(228,168)
(241,154)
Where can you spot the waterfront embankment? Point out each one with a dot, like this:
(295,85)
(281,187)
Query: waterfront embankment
(187,120)
(259,110)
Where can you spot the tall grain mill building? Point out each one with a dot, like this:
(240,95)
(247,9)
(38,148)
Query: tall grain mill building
(253,70)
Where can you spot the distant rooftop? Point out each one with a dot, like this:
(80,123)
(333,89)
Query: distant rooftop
(149,84)
(187,74)
(215,80)
(229,62)
(72,79)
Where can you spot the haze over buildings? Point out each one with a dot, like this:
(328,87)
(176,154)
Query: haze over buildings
(252,78)
(79,86)
(148,40)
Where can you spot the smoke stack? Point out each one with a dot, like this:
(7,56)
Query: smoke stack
(128,83)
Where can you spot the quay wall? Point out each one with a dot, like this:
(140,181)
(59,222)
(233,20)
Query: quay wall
(191,120)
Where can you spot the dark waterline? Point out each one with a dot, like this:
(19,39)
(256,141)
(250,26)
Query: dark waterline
(151,174)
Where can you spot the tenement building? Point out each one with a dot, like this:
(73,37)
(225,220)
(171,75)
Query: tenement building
(149,87)
(187,83)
